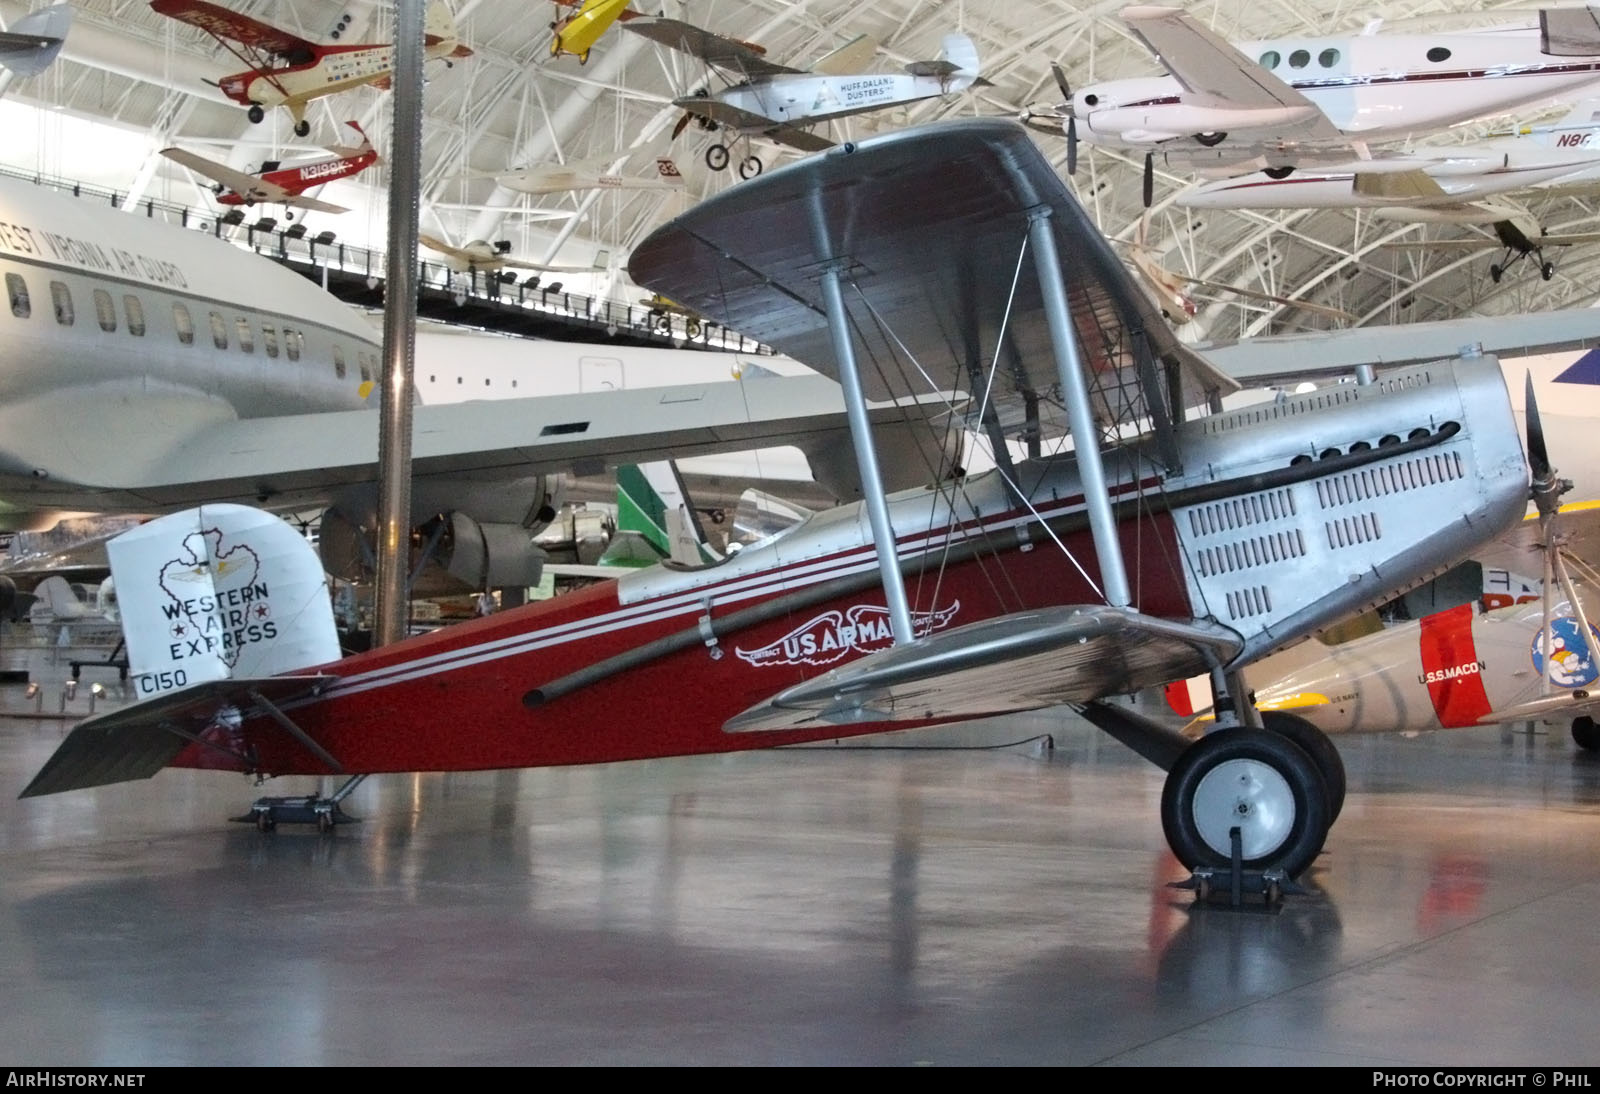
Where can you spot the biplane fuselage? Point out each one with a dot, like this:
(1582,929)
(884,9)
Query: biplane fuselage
(656,662)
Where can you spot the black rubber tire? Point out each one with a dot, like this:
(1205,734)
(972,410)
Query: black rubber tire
(717,157)
(302,128)
(1586,734)
(256,115)
(1278,172)
(1262,773)
(1319,747)
(750,167)
(1494,274)
(1211,140)
(1547,271)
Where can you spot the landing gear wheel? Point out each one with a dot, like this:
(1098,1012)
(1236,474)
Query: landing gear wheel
(1318,747)
(717,157)
(750,167)
(1211,140)
(1495,273)
(1249,779)
(583,58)
(691,329)
(256,115)
(302,128)
(1278,172)
(1586,734)
(264,821)
(555,46)
(1547,271)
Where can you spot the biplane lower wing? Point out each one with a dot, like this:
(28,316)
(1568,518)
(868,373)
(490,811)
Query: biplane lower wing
(138,740)
(1022,661)
(745,121)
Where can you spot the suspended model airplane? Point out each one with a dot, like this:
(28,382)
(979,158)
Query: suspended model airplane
(556,178)
(290,71)
(276,184)
(1454,184)
(479,255)
(30,44)
(576,34)
(765,99)
(1290,103)
(1201,545)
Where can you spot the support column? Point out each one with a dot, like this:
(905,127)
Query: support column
(1075,393)
(855,404)
(399,329)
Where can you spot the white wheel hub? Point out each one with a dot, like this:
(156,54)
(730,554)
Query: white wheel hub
(1248,795)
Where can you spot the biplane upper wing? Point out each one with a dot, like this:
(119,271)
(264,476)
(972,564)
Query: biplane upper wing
(728,54)
(933,229)
(929,229)
(1213,72)
(746,121)
(222,23)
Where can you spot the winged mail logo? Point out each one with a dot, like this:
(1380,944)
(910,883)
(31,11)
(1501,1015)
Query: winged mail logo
(828,637)
(215,604)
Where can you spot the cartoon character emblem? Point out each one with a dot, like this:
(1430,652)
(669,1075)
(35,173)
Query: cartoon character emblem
(1572,665)
(833,635)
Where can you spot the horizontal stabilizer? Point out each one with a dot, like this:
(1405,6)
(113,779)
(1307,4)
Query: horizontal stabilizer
(139,740)
(1022,661)
(34,41)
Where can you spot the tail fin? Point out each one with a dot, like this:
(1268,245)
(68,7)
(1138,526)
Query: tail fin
(960,51)
(440,27)
(651,507)
(63,601)
(31,43)
(359,141)
(217,593)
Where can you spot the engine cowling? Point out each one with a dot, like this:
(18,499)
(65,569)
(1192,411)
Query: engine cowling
(465,537)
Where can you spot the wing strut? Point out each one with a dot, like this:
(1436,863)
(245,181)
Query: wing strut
(1075,393)
(855,405)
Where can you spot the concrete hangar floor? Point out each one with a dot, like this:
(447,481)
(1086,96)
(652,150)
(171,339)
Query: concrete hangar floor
(1000,906)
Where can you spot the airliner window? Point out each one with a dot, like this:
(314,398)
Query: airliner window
(185,325)
(1270,59)
(61,297)
(1300,58)
(247,341)
(105,310)
(17,289)
(338,362)
(291,343)
(134,310)
(269,340)
(219,330)
(1328,58)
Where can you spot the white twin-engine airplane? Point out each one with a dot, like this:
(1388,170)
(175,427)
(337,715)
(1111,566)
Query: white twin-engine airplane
(1282,104)
(144,368)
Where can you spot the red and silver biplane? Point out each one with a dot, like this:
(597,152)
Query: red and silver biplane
(946,257)
(287,70)
(276,184)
